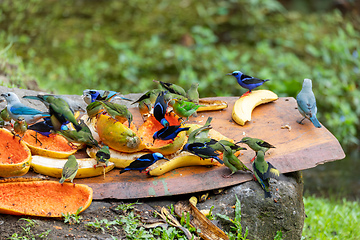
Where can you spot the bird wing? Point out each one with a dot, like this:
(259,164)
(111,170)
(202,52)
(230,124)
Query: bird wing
(23,110)
(250,80)
(264,144)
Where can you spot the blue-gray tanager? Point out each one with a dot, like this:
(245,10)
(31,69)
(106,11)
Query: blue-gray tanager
(16,109)
(307,103)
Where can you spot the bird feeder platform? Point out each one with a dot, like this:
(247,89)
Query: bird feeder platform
(298,147)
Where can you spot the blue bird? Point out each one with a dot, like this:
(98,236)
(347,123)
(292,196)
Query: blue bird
(144,162)
(16,109)
(169,132)
(160,108)
(307,103)
(43,127)
(202,150)
(246,81)
(92,95)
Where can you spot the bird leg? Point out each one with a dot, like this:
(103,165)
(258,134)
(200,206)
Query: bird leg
(228,176)
(301,121)
(245,94)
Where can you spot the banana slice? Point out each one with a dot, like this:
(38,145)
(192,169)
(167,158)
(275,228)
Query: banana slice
(53,167)
(211,105)
(244,106)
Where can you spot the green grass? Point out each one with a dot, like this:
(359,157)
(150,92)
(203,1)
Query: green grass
(331,219)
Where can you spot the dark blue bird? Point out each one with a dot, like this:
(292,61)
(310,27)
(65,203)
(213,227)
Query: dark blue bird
(143,162)
(92,95)
(202,150)
(160,109)
(169,132)
(247,81)
(44,127)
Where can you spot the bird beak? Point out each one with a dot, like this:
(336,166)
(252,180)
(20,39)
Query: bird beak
(240,141)
(229,74)
(3,95)
(243,148)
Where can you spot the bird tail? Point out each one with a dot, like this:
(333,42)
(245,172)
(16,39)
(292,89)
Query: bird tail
(219,160)
(316,122)
(62,180)
(78,127)
(122,171)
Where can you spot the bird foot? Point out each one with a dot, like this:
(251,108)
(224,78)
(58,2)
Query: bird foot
(36,139)
(300,121)
(245,94)
(227,176)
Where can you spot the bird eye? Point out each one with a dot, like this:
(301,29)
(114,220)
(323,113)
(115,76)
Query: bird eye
(235,74)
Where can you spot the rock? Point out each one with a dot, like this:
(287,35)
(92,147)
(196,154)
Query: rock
(264,217)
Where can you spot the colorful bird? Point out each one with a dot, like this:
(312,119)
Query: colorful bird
(59,109)
(231,161)
(307,103)
(160,108)
(246,81)
(202,150)
(16,109)
(256,144)
(145,107)
(144,162)
(74,105)
(151,95)
(172,88)
(193,94)
(69,170)
(92,95)
(218,145)
(169,132)
(184,109)
(102,156)
(263,171)
(5,115)
(83,136)
(94,109)
(201,133)
(20,127)
(118,111)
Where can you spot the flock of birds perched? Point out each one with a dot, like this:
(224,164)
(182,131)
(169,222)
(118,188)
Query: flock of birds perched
(156,102)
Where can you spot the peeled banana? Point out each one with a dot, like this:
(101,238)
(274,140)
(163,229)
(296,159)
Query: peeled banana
(244,106)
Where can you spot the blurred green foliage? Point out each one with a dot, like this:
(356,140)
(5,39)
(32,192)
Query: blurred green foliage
(71,45)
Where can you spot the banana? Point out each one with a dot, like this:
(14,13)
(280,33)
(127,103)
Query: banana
(52,167)
(182,159)
(211,105)
(244,106)
(120,159)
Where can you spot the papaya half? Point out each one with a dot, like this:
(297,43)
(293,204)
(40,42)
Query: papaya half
(43,198)
(15,156)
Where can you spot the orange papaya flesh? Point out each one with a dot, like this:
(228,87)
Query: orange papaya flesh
(15,156)
(53,146)
(43,198)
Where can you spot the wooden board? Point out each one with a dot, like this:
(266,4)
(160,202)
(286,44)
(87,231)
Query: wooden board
(302,147)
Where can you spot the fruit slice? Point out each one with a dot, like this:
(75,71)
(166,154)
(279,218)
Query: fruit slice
(117,136)
(55,146)
(244,106)
(211,105)
(53,167)
(183,159)
(120,159)
(43,198)
(165,147)
(15,156)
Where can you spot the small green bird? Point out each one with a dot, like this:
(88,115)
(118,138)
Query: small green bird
(256,144)
(20,127)
(69,170)
(2,122)
(231,161)
(151,95)
(5,115)
(200,134)
(118,112)
(102,156)
(145,107)
(172,88)
(263,171)
(94,109)
(218,146)
(83,136)
(193,94)
(183,108)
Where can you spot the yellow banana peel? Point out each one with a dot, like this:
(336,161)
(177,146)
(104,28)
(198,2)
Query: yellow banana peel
(244,106)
